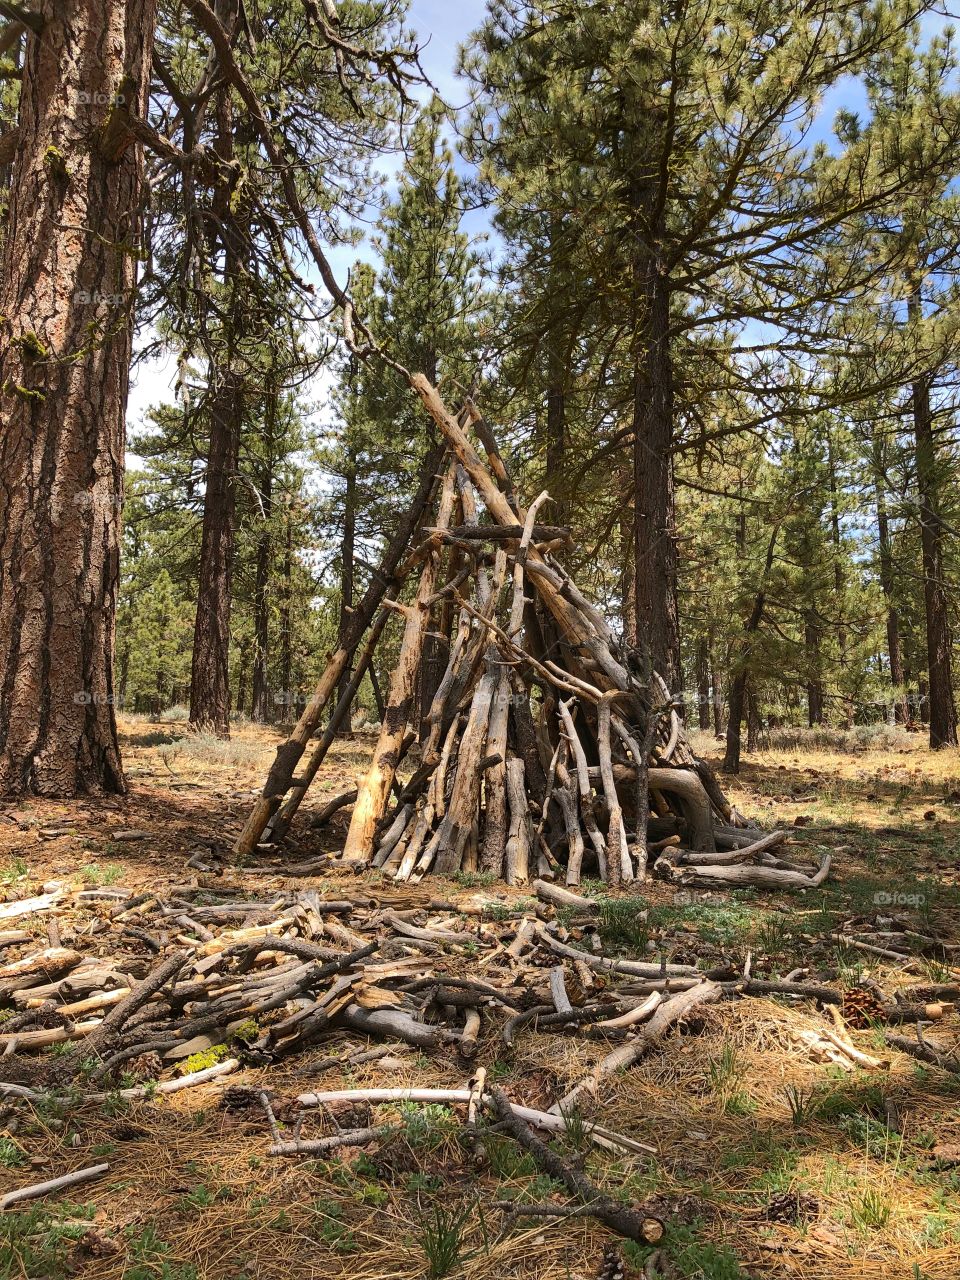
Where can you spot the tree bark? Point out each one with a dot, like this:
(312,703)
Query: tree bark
(943,711)
(654,519)
(738,686)
(347,554)
(260,708)
(703,683)
(812,637)
(66,290)
(885,556)
(210,669)
(286,606)
(654,545)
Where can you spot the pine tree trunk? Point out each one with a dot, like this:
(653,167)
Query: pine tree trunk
(627,591)
(260,707)
(654,542)
(812,636)
(210,678)
(655,551)
(347,555)
(703,683)
(286,610)
(738,686)
(839,584)
(210,671)
(66,290)
(717,696)
(738,691)
(894,649)
(943,712)
(243,667)
(753,719)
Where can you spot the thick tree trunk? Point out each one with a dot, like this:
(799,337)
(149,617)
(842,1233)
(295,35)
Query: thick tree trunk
(627,591)
(655,550)
(943,712)
(66,296)
(260,705)
(885,556)
(285,672)
(210,671)
(654,521)
(348,543)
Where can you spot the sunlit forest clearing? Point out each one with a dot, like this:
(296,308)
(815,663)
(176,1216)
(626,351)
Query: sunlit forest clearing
(479,773)
(772,1161)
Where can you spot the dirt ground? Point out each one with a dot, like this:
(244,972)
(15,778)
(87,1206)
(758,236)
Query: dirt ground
(768,1162)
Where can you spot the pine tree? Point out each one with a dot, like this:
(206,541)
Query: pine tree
(66,286)
(672,140)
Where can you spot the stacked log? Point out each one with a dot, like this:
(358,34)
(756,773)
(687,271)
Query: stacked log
(549,744)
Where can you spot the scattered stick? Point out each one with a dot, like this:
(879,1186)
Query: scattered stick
(625,1220)
(54,1184)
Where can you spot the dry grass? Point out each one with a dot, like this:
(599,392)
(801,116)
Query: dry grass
(740,1115)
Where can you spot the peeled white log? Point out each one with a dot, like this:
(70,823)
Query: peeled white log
(54,1184)
(517,860)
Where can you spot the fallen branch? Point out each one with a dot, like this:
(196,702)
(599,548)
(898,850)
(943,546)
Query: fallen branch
(54,1184)
(625,1220)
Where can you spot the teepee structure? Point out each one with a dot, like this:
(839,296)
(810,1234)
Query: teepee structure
(547,750)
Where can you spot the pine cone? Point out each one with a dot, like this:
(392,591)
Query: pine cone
(241,1098)
(94,1244)
(146,1066)
(861,1008)
(792,1206)
(612,1266)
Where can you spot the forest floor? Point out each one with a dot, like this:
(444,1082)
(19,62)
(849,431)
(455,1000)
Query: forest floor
(747,1127)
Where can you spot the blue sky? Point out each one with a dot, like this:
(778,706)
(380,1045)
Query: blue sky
(444,26)
(441,26)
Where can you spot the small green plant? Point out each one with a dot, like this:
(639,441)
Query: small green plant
(576,1128)
(201,1197)
(624,923)
(507,1161)
(802,1103)
(204,1059)
(427,1127)
(723,1069)
(332,1231)
(11,1157)
(474,879)
(441,1238)
(772,934)
(871,1211)
(95,874)
(15,869)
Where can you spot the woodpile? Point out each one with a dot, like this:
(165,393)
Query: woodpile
(188,985)
(548,747)
(176,976)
